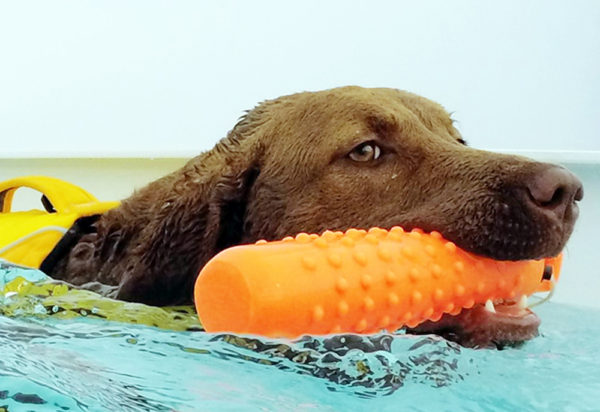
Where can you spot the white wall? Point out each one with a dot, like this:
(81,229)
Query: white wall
(153,77)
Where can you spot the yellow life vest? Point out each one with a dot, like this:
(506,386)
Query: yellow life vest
(26,238)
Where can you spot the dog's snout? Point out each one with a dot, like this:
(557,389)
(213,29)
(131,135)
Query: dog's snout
(554,190)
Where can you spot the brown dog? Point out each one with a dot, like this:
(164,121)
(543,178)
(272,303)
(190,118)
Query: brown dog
(335,159)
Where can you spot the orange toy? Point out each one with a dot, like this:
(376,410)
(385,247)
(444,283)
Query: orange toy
(357,282)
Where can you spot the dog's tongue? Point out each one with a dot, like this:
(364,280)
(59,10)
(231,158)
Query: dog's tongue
(479,327)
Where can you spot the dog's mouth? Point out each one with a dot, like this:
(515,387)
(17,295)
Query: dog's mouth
(496,324)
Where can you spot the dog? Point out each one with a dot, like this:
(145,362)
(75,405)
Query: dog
(312,161)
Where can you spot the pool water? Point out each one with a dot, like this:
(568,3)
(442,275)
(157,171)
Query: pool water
(89,363)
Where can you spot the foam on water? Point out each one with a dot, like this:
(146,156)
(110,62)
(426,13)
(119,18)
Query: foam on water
(86,364)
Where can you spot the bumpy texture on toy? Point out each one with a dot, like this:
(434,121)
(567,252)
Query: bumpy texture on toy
(358,282)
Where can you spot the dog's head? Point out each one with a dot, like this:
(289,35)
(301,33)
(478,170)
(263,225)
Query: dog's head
(354,157)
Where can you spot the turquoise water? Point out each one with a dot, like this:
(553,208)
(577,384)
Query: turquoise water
(87,364)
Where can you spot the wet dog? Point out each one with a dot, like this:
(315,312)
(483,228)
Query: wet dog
(334,159)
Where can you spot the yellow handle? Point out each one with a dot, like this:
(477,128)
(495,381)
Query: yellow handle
(27,238)
(63,195)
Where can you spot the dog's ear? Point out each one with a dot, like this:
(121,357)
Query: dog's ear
(228,207)
(233,169)
(203,206)
(203,212)
(156,241)
(190,216)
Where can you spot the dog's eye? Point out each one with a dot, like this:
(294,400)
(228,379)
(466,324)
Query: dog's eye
(365,152)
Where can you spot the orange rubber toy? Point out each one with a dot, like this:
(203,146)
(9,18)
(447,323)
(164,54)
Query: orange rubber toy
(353,282)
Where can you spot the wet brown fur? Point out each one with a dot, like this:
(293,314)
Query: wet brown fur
(284,168)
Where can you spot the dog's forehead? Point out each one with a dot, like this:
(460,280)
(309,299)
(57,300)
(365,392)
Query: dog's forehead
(312,125)
(357,105)
(385,112)
(378,99)
(375,108)
(391,106)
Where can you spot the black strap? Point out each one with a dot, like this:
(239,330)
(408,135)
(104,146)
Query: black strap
(82,226)
(48,205)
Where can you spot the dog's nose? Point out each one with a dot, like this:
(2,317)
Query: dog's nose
(555,190)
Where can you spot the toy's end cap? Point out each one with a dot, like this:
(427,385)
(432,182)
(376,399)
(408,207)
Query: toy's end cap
(222,298)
